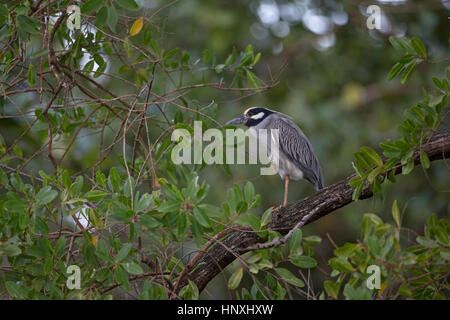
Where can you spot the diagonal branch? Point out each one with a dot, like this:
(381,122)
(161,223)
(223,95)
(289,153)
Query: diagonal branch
(321,204)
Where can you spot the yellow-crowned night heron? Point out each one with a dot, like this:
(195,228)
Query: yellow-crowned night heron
(296,158)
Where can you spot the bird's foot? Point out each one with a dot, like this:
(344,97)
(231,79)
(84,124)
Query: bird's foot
(277,209)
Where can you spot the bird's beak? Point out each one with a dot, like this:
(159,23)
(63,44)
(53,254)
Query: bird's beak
(238,120)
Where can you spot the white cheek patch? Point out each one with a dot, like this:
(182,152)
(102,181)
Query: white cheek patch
(258,116)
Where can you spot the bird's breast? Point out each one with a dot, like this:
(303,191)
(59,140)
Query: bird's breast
(283,165)
(287,168)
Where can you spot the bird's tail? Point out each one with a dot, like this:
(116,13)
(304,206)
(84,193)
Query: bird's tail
(319,183)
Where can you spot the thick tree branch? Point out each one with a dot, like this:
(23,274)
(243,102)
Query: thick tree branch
(327,200)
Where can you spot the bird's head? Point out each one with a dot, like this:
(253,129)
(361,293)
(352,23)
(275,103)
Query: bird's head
(251,117)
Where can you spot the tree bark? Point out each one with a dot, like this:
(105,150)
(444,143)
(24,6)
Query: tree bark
(329,199)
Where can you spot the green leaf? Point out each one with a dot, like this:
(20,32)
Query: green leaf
(66,179)
(101,65)
(231,58)
(304,262)
(201,217)
(48,266)
(4,12)
(372,156)
(77,185)
(266,217)
(127,4)
(149,221)
(390,149)
(251,220)
(28,24)
(428,243)
(374,173)
(155,46)
(206,56)
(45,196)
(442,235)
(219,68)
(395,70)
(89,66)
(189,292)
(112,18)
(235,279)
(123,252)
(91,5)
(407,72)
(60,245)
(419,47)
(361,293)
(143,203)
(114,180)
(257,57)
(185,57)
(17,150)
(246,60)
(438,83)
(3,178)
(396,213)
(11,250)
(445,254)
(100,178)
(374,244)
(295,244)
(95,195)
(132,268)
(249,192)
(289,277)
(404,290)
(331,288)
(362,162)
(31,75)
(402,45)
(312,240)
(13,289)
(101,17)
(38,225)
(39,53)
(355,181)
(122,278)
(424,160)
(408,167)
(346,250)
(395,42)
(252,79)
(341,264)
(169,206)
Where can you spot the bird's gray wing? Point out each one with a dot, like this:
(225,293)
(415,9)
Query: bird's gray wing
(294,144)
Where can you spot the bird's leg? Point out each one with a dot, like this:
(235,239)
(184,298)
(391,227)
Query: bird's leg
(286,188)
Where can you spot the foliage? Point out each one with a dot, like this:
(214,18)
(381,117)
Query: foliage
(419,122)
(414,268)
